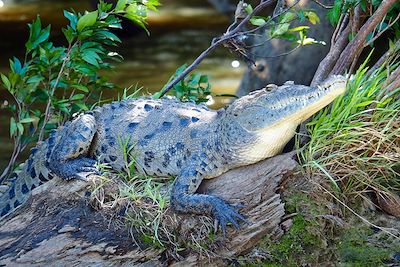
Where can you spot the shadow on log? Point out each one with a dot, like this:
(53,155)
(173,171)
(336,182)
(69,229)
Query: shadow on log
(58,227)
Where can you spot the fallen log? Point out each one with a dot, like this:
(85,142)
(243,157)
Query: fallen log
(58,227)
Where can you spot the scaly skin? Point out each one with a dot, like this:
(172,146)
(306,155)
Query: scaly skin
(170,138)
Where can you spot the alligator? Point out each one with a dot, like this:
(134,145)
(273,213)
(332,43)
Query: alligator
(171,138)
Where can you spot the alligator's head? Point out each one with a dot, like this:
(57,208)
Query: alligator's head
(271,117)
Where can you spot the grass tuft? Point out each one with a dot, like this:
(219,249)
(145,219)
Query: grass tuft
(142,202)
(355,142)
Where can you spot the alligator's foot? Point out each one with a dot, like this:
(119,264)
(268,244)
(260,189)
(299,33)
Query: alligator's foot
(80,168)
(201,204)
(225,213)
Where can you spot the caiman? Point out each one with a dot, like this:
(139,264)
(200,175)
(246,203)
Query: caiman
(171,138)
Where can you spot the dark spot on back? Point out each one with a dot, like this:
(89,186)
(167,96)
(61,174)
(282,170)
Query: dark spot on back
(34,150)
(133,125)
(184,122)
(5,210)
(111,140)
(149,154)
(33,187)
(42,178)
(179,163)
(172,150)
(113,158)
(148,107)
(149,136)
(16,203)
(180,146)
(24,189)
(193,133)
(33,173)
(103,149)
(11,193)
(30,161)
(166,125)
(204,143)
(143,142)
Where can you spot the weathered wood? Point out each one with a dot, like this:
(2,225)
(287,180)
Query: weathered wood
(57,226)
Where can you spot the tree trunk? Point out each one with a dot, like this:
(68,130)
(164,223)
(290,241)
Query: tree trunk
(57,226)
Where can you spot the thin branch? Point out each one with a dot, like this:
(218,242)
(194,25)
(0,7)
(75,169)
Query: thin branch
(48,106)
(354,48)
(327,64)
(381,32)
(322,5)
(220,40)
(279,55)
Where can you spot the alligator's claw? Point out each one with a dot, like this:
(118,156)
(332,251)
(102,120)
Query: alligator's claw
(225,213)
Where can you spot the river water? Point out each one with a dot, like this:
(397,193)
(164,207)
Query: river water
(180,31)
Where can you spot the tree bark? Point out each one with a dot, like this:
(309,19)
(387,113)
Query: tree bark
(57,226)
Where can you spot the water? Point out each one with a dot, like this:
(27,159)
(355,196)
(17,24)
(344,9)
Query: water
(179,33)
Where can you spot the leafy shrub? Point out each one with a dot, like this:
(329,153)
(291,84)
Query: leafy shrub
(53,82)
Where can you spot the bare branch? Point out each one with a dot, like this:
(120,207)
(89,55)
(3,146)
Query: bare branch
(354,48)
(230,34)
(322,5)
(384,30)
(48,106)
(327,64)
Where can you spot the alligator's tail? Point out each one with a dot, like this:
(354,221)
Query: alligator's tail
(31,174)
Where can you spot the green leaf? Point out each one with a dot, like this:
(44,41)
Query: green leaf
(280,29)
(16,65)
(334,14)
(249,9)
(6,82)
(312,17)
(35,79)
(257,21)
(77,97)
(157,95)
(287,17)
(20,128)
(27,120)
(87,20)
(69,34)
(13,127)
(110,35)
(91,57)
(73,19)
(299,28)
(80,87)
(121,4)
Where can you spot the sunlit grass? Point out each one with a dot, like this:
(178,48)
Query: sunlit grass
(355,143)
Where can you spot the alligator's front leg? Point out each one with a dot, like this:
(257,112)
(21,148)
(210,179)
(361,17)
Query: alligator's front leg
(69,158)
(184,199)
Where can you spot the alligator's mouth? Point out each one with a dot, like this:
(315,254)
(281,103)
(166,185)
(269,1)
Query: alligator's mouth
(305,102)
